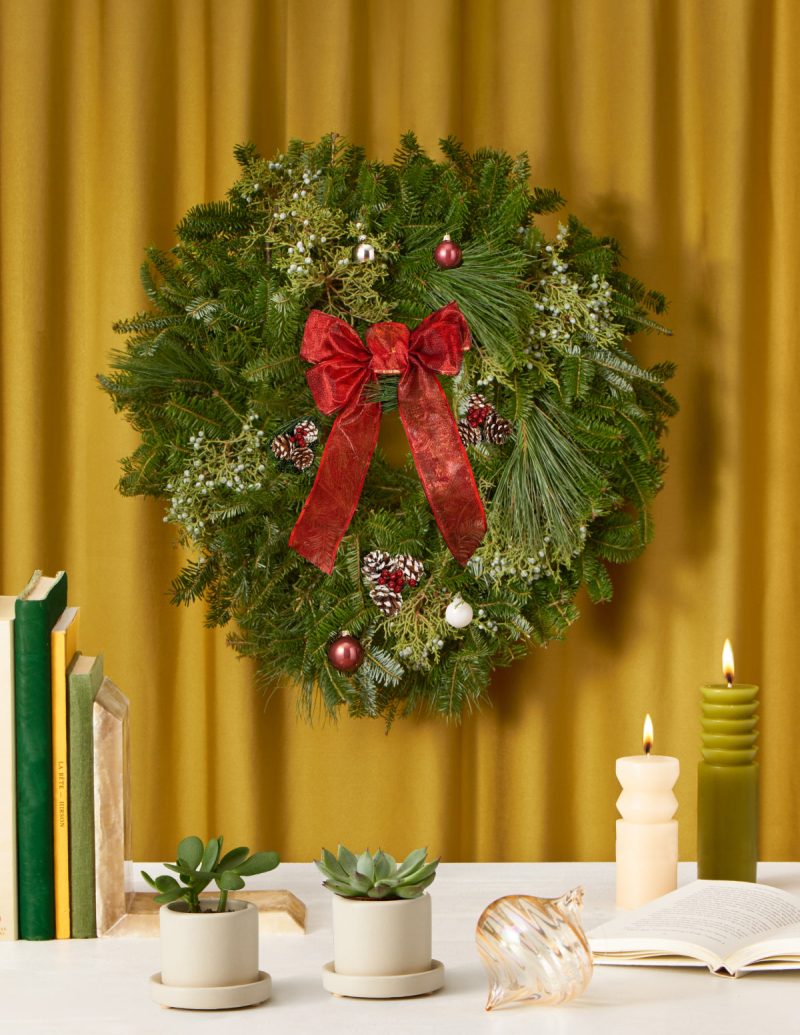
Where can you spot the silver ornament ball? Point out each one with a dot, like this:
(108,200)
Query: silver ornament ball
(365,252)
(458,613)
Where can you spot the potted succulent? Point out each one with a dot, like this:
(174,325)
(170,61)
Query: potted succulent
(209,947)
(381,924)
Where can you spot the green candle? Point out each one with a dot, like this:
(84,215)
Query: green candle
(727,779)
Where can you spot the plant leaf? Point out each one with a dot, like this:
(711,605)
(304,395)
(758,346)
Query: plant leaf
(411,861)
(190,851)
(231,859)
(211,854)
(422,873)
(166,897)
(167,883)
(415,890)
(366,866)
(331,866)
(383,866)
(347,860)
(261,862)
(345,890)
(230,881)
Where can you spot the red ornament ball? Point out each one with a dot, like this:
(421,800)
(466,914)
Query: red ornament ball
(447,254)
(345,653)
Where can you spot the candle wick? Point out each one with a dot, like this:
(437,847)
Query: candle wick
(729,679)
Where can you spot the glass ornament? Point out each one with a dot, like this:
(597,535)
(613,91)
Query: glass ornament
(534,949)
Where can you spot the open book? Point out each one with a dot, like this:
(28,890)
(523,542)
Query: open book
(730,926)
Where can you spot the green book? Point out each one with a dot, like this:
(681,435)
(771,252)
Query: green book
(85,679)
(37,610)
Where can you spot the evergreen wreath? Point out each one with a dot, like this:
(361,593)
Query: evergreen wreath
(561,424)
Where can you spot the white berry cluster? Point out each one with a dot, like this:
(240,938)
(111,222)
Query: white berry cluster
(569,310)
(567,313)
(529,569)
(218,472)
(311,244)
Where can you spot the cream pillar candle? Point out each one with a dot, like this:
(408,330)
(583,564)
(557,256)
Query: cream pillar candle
(647,835)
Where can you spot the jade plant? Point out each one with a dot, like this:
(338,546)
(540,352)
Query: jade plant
(376,876)
(198,865)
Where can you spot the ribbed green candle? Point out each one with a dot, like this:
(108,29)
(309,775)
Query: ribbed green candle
(727,783)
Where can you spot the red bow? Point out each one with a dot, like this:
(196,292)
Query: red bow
(343,364)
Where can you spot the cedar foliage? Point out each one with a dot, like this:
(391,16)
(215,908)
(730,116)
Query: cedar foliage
(210,373)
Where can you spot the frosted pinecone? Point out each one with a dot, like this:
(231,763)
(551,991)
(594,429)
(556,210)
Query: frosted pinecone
(470,435)
(410,567)
(374,563)
(476,401)
(282,446)
(302,458)
(309,430)
(386,599)
(496,429)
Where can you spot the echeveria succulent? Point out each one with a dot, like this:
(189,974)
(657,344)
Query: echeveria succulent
(376,876)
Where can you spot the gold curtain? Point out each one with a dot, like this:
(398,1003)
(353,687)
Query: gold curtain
(671,124)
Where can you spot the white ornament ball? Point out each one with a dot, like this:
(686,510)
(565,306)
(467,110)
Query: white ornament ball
(365,252)
(458,613)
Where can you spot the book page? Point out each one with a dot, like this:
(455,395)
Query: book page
(708,919)
(779,950)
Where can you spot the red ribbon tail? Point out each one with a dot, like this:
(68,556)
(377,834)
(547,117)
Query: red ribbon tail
(442,462)
(329,507)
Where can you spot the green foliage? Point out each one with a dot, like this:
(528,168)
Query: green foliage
(377,876)
(211,373)
(198,865)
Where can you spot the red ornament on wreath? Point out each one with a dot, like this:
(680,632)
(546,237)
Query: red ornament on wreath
(345,653)
(447,254)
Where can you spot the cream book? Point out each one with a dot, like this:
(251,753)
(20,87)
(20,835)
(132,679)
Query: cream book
(731,927)
(112,806)
(63,646)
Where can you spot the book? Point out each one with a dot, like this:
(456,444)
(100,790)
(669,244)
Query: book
(8,791)
(112,806)
(36,611)
(731,927)
(63,644)
(84,680)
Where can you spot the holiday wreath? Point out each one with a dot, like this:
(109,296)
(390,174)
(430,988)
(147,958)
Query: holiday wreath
(327,290)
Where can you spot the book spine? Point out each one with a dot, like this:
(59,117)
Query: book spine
(110,722)
(63,644)
(8,792)
(33,723)
(82,690)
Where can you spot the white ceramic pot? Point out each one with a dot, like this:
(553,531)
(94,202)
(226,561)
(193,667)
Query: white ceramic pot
(382,937)
(209,950)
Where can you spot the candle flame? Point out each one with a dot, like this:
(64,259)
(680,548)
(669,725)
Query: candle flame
(727,662)
(647,734)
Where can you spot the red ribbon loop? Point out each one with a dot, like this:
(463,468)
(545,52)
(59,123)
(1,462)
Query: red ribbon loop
(342,366)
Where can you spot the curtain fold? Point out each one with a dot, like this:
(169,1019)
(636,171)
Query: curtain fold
(670,124)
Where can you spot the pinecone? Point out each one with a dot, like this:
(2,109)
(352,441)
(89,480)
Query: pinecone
(386,600)
(497,429)
(375,563)
(476,401)
(410,567)
(470,434)
(282,446)
(308,430)
(302,458)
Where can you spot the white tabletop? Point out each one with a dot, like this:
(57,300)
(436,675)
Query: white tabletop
(100,987)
